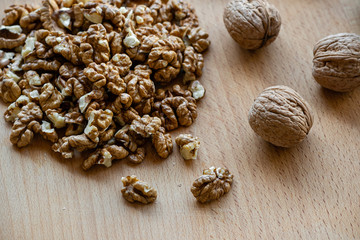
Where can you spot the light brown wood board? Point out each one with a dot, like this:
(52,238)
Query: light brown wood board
(311,191)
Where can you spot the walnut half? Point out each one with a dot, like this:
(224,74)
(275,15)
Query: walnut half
(137,191)
(212,185)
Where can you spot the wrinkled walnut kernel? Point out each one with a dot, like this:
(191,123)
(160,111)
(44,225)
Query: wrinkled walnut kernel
(136,190)
(212,185)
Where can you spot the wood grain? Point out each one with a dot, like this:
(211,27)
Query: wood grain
(307,192)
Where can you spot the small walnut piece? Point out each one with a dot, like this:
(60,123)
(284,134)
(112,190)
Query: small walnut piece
(163,143)
(146,126)
(281,116)
(137,191)
(189,146)
(252,23)
(336,63)
(212,185)
(197,90)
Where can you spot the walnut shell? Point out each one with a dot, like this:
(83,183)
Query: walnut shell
(252,23)
(336,63)
(281,116)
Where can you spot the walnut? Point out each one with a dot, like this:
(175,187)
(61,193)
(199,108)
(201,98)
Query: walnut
(28,47)
(14,108)
(97,38)
(78,15)
(114,15)
(85,100)
(34,79)
(67,46)
(10,90)
(107,135)
(161,12)
(96,74)
(199,39)
(26,124)
(130,41)
(136,190)
(56,117)
(142,15)
(63,16)
(50,97)
(281,116)
(184,114)
(146,126)
(129,139)
(105,156)
(192,64)
(212,185)
(66,145)
(40,64)
(189,146)
(122,62)
(16,61)
(115,42)
(165,58)
(93,12)
(123,101)
(336,62)
(163,143)
(144,106)
(137,157)
(139,85)
(47,11)
(115,83)
(14,13)
(48,132)
(31,21)
(98,122)
(73,116)
(73,87)
(183,10)
(197,90)
(10,39)
(252,23)
(5,58)
(140,52)
(126,116)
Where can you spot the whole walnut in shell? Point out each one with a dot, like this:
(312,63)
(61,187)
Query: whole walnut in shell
(252,23)
(336,63)
(281,116)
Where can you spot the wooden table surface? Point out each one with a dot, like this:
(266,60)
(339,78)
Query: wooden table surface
(311,191)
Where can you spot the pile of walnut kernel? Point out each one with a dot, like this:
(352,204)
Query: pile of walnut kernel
(103,72)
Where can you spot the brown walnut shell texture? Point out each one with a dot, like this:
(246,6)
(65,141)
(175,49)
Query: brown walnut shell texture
(281,116)
(336,63)
(252,23)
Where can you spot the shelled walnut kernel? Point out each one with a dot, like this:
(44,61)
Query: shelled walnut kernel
(137,191)
(99,69)
(189,146)
(212,185)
